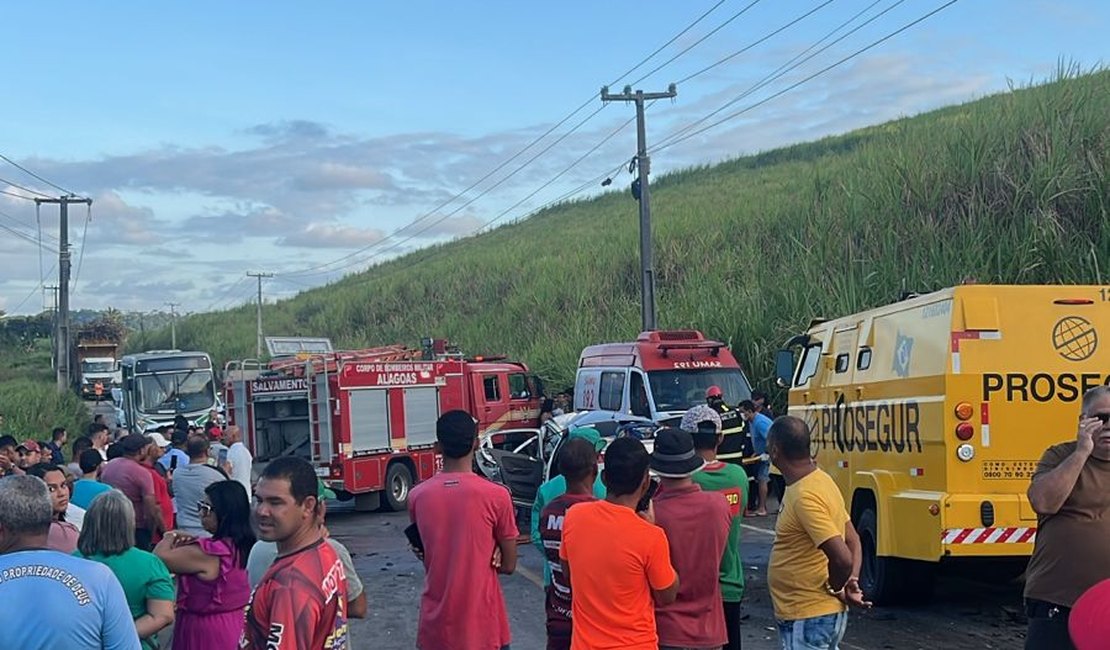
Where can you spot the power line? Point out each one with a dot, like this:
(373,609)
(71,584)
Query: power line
(519,153)
(81,253)
(26,237)
(758,42)
(28,297)
(13,194)
(225,293)
(794,63)
(807,79)
(33,174)
(25,189)
(697,42)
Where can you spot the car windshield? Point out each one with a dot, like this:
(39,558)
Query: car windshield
(176,392)
(678,390)
(98,366)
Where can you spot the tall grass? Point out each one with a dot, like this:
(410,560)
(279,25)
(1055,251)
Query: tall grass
(1009,189)
(29,399)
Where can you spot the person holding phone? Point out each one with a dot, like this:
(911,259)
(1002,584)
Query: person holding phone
(616,560)
(697,524)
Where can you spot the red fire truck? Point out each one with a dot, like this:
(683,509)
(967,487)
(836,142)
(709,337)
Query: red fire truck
(366,418)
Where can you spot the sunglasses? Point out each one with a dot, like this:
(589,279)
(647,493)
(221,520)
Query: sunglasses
(1104,417)
(204,508)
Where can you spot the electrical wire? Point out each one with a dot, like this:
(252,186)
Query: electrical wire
(36,176)
(698,42)
(81,252)
(30,295)
(25,189)
(673,140)
(225,293)
(30,239)
(758,42)
(564,120)
(18,196)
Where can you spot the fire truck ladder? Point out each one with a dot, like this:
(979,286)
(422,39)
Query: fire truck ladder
(330,362)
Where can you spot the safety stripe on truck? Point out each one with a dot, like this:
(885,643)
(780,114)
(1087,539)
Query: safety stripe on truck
(1001,535)
(974,335)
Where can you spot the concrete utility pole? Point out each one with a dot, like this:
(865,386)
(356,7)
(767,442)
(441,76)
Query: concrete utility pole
(259,275)
(61,328)
(53,289)
(643,165)
(173,323)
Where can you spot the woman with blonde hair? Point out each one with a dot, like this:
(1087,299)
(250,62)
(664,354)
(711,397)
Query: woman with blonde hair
(108,537)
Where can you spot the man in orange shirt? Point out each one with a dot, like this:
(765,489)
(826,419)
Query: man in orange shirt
(616,560)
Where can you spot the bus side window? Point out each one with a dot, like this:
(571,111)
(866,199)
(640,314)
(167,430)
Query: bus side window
(637,393)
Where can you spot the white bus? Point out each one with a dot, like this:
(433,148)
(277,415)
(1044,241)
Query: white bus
(161,384)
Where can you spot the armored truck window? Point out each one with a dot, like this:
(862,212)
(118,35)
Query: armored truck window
(863,361)
(842,362)
(811,357)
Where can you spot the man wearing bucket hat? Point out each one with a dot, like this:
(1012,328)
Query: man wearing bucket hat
(557,486)
(697,525)
(704,425)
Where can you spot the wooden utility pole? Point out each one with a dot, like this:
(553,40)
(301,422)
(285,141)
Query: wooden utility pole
(643,165)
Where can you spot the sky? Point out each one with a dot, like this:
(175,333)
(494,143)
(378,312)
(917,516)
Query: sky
(315,141)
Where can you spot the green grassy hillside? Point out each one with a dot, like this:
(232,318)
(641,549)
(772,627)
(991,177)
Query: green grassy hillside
(1012,188)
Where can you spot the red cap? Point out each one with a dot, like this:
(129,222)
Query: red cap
(713,391)
(31,445)
(1089,622)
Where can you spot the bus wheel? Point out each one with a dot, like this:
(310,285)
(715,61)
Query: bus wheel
(398,484)
(890,580)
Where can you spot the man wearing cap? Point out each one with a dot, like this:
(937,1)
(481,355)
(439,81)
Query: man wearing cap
(557,486)
(697,525)
(761,426)
(156,449)
(704,426)
(128,475)
(30,454)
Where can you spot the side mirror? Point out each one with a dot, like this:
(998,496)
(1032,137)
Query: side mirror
(784,368)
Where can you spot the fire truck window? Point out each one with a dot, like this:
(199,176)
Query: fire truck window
(842,362)
(811,358)
(493,388)
(518,387)
(638,394)
(612,391)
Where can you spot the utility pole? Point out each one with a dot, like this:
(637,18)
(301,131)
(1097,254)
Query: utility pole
(173,323)
(61,329)
(259,275)
(643,165)
(53,289)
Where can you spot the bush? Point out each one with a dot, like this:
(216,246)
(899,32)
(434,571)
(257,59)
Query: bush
(33,408)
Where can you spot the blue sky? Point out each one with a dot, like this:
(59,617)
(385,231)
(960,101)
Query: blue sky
(217,138)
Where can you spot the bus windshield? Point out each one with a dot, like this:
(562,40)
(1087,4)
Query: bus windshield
(176,392)
(679,390)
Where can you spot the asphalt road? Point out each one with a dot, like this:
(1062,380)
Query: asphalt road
(964,615)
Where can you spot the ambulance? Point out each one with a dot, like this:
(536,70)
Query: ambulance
(931,414)
(656,378)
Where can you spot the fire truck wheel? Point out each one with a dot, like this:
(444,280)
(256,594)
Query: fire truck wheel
(398,484)
(890,580)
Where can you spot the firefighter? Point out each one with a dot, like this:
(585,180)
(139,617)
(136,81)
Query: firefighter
(734,446)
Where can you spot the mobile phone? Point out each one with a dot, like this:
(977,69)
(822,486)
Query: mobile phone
(413,533)
(221,457)
(653,487)
(173,462)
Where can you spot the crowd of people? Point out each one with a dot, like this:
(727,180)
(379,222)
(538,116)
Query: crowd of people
(149,541)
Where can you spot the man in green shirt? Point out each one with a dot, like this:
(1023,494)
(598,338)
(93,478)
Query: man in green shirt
(556,487)
(704,425)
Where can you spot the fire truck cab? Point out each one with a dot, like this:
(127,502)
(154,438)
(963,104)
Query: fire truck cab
(657,378)
(366,418)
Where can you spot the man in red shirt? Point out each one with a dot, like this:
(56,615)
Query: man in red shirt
(301,601)
(463,521)
(578,465)
(697,525)
(154,451)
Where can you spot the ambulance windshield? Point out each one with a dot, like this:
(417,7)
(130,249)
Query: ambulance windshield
(679,390)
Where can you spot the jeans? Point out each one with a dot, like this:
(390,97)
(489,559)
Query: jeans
(818,633)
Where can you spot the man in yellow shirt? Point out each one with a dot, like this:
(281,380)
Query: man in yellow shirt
(816,556)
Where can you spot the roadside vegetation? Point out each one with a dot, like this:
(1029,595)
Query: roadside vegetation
(1012,188)
(29,398)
